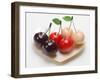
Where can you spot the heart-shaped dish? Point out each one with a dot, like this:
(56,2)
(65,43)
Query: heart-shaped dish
(61,58)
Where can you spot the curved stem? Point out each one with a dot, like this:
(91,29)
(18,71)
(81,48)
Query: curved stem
(60,27)
(49,31)
(70,25)
(49,28)
(74,26)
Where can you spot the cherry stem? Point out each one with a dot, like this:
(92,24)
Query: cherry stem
(74,26)
(70,25)
(60,27)
(72,21)
(49,28)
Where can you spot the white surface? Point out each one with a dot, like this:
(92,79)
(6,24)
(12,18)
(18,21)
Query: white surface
(39,22)
(5,44)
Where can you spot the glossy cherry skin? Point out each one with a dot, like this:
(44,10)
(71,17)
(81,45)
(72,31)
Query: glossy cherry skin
(40,38)
(78,37)
(66,45)
(66,32)
(56,37)
(50,48)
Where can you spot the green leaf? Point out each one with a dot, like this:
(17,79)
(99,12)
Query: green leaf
(68,18)
(56,21)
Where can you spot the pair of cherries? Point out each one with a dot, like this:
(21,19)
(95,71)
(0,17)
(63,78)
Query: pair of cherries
(65,45)
(49,46)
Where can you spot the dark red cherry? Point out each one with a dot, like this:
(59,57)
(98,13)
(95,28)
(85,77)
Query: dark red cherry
(50,48)
(40,38)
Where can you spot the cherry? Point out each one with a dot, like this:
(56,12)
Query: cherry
(56,37)
(40,38)
(50,48)
(66,32)
(78,37)
(66,44)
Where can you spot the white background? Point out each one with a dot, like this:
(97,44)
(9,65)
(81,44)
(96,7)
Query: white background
(5,41)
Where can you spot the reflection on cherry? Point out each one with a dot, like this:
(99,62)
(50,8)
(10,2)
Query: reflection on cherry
(78,37)
(40,38)
(66,45)
(50,48)
(56,37)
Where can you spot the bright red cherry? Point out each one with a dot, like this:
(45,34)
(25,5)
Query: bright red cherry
(66,45)
(56,37)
